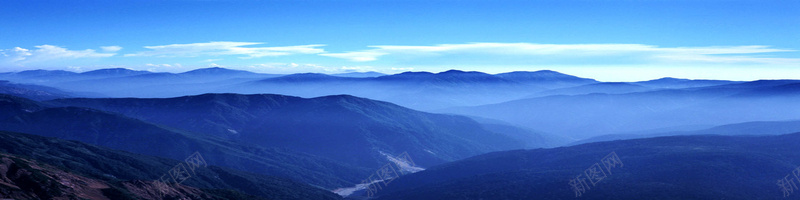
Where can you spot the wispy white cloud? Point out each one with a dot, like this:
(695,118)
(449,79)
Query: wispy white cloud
(729,59)
(227,48)
(404,69)
(357,69)
(46,53)
(712,54)
(291,68)
(178,65)
(358,56)
(111,48)
(15,54)
(75,68)
(285,68)
(211,60)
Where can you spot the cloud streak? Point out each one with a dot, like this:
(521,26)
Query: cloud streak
(227,48)
(712,54)
(47,53)
(111,48)
(358,56)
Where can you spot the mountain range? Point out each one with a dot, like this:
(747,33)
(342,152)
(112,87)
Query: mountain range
(756,128)
(35,167)
(107,134)
(543,101)
(330,141)
(433,90)
(345,128)
(583,114)
(124,133)
(675,167)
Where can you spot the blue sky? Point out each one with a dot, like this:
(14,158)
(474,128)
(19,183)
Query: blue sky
(609,40)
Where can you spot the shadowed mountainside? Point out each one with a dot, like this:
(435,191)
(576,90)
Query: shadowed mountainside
(678,167)
(124,133)
(41,168)
(345,128)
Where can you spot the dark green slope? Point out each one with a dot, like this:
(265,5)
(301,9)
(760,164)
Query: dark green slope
(123,133)
(103,129)
(349,129)
(345,128)
(215,114)
(678,167)
(12,106)
(119,168)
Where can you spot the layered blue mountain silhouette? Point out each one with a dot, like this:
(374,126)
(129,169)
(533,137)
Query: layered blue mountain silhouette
(677,167)
(307,134)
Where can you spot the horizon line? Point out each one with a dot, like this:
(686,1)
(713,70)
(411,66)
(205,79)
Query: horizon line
(383,74)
